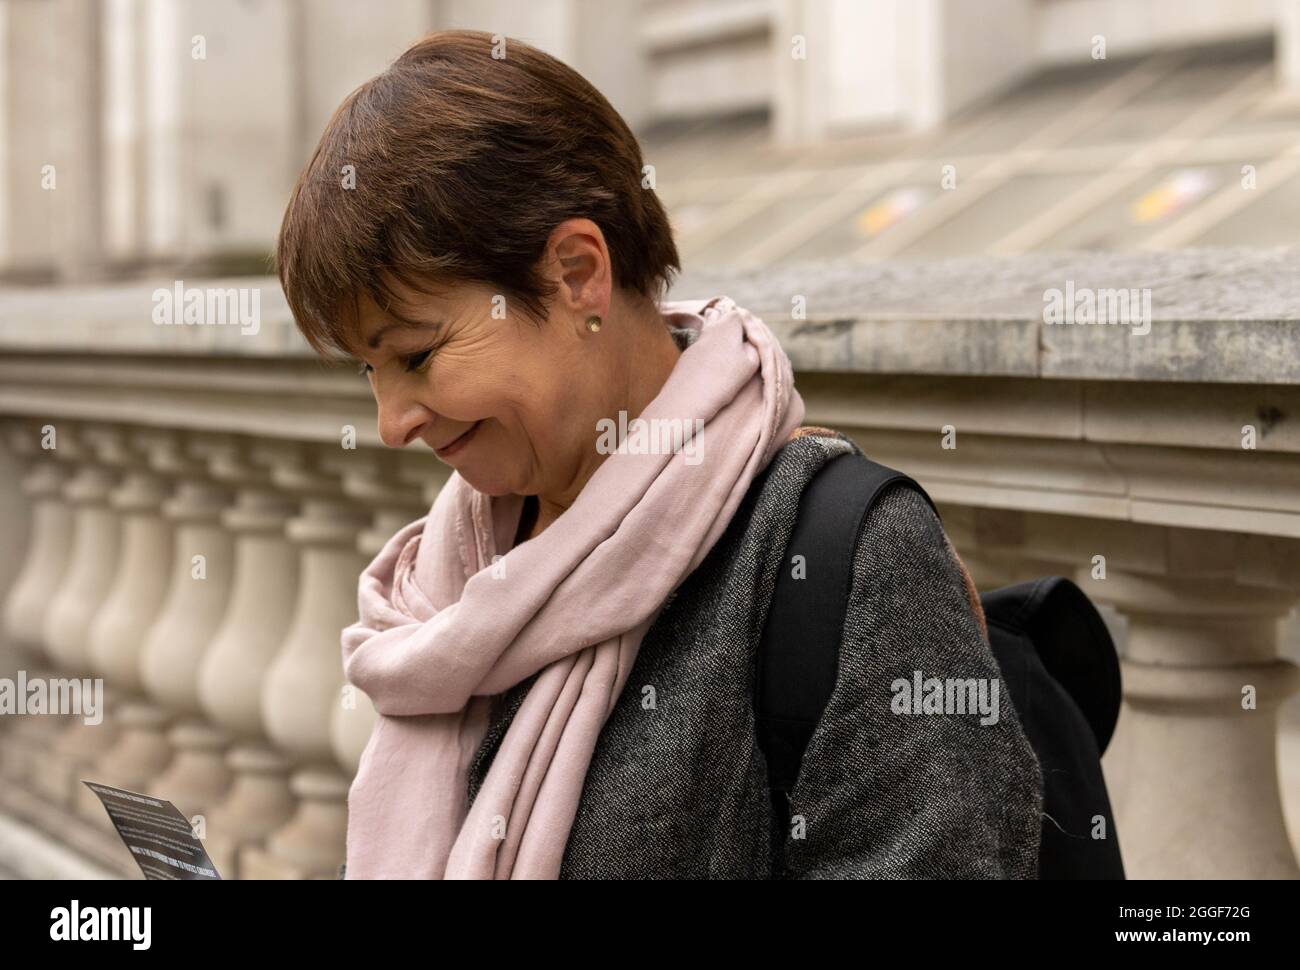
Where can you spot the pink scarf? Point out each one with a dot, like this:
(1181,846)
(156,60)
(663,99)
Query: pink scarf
(450,615)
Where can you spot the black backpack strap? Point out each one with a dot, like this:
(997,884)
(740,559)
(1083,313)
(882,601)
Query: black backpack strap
(799,651)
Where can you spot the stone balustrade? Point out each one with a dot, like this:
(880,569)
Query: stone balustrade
(200,500)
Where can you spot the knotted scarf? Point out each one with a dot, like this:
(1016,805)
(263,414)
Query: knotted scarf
(451,615)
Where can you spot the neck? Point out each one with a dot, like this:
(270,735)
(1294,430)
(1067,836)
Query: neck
(650,357)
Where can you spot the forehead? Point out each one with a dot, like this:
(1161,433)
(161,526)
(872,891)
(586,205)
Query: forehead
(402,311)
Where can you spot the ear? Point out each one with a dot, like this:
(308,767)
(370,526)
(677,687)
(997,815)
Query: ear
(579,264)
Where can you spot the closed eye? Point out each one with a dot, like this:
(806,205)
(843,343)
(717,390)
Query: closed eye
(413,361)
(410,362)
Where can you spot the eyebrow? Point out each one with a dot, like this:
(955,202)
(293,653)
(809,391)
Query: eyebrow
(378,335)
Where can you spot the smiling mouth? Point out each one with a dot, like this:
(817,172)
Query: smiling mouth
(456,444)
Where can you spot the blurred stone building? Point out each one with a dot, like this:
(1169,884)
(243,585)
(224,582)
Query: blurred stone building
(138,134)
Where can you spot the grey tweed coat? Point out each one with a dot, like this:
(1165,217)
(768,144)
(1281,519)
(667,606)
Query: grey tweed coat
(677,788)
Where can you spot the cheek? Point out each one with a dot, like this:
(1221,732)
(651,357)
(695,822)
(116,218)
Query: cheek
(460,399)
(528,383)
(541,410)
(469,387)
(520,417)
(538,390)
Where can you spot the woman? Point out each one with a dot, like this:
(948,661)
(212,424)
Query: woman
(561,652)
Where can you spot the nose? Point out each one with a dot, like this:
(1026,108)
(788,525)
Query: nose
(401,419)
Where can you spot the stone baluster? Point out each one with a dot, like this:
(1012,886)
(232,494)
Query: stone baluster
(91,573)
(1202,686)
(94,557)
(1194,758)
(140,751)
(196,778)
(17,455)
(49,551)
(138,585)
(1288,737)
(375,479)
(305,683)
(49,548)
(234,670)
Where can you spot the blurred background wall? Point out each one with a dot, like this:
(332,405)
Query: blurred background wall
(142,134)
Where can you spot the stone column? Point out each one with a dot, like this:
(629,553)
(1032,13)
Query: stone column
(305,683)
(75,78)
(1287,56)
(234,669)
(1202,687)
(196,778)
(26,605)
(133,600)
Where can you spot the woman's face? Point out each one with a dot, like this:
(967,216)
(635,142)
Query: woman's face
(497,397)
(513,406)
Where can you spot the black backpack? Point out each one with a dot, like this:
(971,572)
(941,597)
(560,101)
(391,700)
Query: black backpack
(1056,657)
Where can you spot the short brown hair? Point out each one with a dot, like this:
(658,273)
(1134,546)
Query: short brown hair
(463,164)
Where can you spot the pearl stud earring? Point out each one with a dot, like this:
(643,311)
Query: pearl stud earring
(593,323)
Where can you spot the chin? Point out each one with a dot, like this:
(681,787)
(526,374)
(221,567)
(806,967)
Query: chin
(488,485)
